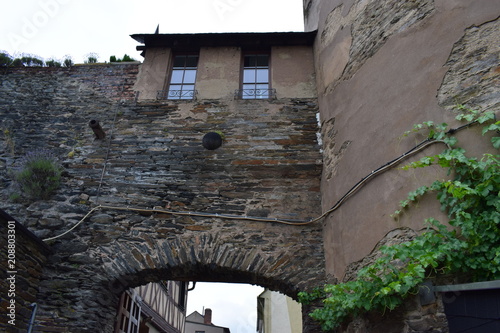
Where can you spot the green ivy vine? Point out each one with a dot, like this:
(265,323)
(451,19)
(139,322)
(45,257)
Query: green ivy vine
(472,247)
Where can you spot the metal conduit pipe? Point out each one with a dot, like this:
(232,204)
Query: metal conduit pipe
(32,319)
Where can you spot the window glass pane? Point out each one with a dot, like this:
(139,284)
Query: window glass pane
(248,75)
(192,61)
(174,91)
(177,75)
(187,87)
(262,75)
(262,60)
(249,61)
(179,61)
(186,93)
(175,87)
(189,76)
(248,86)
(248,91)
(262,91)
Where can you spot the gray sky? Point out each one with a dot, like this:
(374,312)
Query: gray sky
(233,305)
(55,28)
(52,29)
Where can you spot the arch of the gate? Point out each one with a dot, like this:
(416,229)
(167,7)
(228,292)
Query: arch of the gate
(91,268)
(281,257)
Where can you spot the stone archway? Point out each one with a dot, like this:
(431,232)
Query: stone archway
(268,166)
(83,281)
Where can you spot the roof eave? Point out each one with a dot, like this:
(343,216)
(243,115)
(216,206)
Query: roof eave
(247,39)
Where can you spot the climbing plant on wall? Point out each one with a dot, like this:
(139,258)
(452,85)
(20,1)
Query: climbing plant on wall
(37,175)
(471,198)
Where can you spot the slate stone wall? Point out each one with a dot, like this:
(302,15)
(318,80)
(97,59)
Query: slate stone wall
(23,256)
(268,166)
(474,69)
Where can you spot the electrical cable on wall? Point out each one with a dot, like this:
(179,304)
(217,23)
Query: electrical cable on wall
(422,145)
(109,142)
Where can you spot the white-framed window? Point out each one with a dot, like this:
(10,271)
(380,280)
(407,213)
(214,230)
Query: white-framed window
(183,77)
(256,76)
(129,313)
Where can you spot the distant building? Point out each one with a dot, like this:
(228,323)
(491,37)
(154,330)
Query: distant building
(153,308)
(197,323)
(278,313)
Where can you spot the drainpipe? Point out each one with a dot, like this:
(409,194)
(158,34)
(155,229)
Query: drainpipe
(99,133)
(32,319)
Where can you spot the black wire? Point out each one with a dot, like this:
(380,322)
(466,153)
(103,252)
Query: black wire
(401,157)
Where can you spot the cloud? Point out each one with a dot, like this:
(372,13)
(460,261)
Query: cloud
(55,28)
(233,305)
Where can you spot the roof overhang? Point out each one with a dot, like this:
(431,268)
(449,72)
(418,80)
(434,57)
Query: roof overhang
(245,40)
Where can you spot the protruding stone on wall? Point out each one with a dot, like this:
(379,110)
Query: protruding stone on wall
(331,152)
(474,70)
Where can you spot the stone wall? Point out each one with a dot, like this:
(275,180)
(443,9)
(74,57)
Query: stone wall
(268,166)
(473,69)
(23,257)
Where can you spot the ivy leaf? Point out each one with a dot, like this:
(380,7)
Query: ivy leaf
(467,117)
(496,142)
(487,116)
(451,141)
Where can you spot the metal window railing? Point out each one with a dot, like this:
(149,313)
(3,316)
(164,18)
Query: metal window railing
(255,93)
(176,94)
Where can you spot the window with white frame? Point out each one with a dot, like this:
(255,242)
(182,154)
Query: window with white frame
(255,78)
(183,77)
(129,313)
